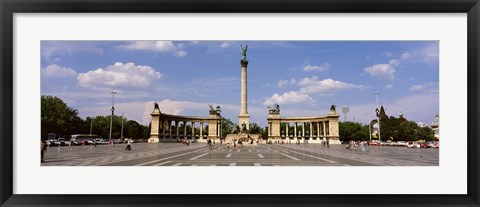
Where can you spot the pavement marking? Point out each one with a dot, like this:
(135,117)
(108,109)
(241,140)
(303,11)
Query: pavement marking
(228,155)
(177,164)
(163,163)
(233,164)
(257,164)
(330,161)
(194,158)
(166,158)
(260,155)
(285,151)
(134,158)
(294,158)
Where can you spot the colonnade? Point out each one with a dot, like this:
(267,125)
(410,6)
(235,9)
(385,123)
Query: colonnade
(311,129)
(167,127)
(316,130)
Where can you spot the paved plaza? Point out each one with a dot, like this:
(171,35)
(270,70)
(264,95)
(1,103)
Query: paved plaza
(198,154)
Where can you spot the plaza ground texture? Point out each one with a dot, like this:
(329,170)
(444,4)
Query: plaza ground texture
(199,154)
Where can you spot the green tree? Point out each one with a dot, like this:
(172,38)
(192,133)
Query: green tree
(228,127)
(58,118)
(352,131)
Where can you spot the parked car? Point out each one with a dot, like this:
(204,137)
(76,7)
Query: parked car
(63,142)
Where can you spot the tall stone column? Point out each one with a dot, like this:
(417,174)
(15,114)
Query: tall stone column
(244,117)
(201,130)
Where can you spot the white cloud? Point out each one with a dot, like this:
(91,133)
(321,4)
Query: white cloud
(405,55)
(429,87)
(381,71)
(155,46)
(120,75)
(288,97)
(225,45)
(394,62)
(314,85)
(321,67)
(55,51)
(58,71)
(388,54)
(389,86)
(429,54)
(282,83)
(180,53)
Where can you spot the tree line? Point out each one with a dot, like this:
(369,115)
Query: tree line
(391,128)
(58,118)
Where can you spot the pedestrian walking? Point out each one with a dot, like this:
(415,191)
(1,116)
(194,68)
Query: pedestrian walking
(129,147)
(43,149)
(228,145)
(363,146)
(209,143)
(70,144)
(328,143)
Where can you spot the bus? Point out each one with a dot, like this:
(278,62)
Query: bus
(78,139)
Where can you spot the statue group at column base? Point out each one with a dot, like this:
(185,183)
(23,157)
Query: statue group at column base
(244,138)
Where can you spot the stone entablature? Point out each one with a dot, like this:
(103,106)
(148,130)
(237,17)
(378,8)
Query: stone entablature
(320,128)
(165,127)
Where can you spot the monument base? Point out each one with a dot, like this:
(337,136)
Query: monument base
(244,118)
(242,136)
(153,140)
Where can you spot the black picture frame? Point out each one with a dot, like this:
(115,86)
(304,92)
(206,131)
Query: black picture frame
(10,7)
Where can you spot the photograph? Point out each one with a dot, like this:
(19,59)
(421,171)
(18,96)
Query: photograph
(234,103)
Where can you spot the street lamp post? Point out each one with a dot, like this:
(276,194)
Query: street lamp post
(378,115)
(111,118)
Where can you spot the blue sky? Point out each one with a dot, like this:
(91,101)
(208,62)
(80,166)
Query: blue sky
(303,77)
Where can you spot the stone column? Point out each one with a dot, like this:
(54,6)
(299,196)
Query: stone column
(303,130)
(170,128)
(311,130)
(176,128)
(244,117)
(193,130)
(286,130)
(324,131)
(318,130)
(163,130)
(201,130)
(185,129)
(295,130)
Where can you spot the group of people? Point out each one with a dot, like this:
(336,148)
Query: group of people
(353,145)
